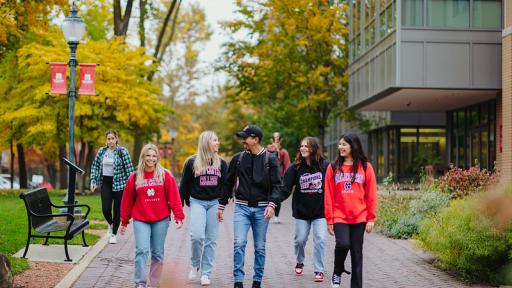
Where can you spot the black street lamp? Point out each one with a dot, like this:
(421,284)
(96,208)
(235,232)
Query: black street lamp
(74,29)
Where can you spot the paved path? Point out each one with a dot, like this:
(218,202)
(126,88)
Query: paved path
(387,263)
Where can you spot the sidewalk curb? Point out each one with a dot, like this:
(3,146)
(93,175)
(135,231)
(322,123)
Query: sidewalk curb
(73,275)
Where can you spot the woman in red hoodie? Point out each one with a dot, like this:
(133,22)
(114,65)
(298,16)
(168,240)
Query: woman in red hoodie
(149,197)
(350,203)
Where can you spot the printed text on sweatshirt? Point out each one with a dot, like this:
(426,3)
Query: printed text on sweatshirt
(152,200)
(347,202)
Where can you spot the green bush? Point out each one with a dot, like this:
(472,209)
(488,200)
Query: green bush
(407,222)
(390,210)
(467,242)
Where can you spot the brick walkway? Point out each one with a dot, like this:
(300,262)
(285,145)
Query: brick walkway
(387,263)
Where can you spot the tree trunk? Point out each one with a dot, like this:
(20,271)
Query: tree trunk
(121,22)
(142,19)
(137,146)
(22,166)
(161,36)
(88,162)
(52,173)
(81,163)
(63,175)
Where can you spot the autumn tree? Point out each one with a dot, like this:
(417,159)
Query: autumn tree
(290,63)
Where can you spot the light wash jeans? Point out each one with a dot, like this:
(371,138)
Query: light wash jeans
(149,236)
(203,233)
(302,228)
(249,217)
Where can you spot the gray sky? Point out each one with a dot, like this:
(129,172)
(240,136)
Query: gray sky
(216,10)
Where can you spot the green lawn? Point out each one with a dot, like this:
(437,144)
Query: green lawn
(13,225)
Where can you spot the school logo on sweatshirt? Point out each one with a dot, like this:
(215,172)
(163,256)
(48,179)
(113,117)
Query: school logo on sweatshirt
(311,183)
(151,192)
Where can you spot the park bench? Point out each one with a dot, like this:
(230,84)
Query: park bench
(43,221)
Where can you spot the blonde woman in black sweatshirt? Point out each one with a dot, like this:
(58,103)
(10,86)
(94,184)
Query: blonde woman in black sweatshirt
(204,175)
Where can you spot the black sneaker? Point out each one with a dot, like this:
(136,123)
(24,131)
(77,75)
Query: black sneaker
(239,285)
(256,284)
(335,281)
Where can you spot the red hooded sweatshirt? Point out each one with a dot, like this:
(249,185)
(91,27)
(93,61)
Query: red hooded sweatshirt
(347,202)
(152,200)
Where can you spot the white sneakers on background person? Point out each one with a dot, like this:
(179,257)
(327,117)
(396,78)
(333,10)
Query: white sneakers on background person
(112,239)
(205,280)
(193,273)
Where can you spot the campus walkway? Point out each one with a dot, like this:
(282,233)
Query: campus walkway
(387,263)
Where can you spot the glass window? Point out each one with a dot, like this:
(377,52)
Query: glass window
(408,139)
(391,151)
(448,13)
(380,151)
(383,25)
(487,14)
(484,141)
(412,13)
(432,145)
(391,18)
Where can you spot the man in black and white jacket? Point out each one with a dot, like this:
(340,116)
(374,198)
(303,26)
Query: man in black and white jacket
(253,176)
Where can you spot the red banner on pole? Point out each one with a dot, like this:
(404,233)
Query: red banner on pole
(87,79)
(58,80)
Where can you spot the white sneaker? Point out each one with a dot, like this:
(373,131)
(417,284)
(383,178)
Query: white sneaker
(193,273)
(113,239)
(205,280)
(109,232)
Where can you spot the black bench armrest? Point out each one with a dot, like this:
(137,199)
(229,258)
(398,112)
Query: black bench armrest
(74,205)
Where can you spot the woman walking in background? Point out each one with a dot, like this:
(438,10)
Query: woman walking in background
(350,204)
(284,163)
(109,171)
(150,195)
(204,175)
(305,178)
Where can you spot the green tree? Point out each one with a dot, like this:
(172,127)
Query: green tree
(290,64)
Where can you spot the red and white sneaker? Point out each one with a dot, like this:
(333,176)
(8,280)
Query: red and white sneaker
(319,276)
(299,268)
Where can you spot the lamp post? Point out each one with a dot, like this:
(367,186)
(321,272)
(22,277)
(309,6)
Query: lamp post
(74,29)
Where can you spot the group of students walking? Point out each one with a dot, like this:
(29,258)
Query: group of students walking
(328,197)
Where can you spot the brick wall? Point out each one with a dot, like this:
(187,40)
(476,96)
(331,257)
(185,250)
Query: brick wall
(504,119)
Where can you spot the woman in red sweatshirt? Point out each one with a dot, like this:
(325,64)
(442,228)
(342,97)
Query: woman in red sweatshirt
(149,197)
(350,203)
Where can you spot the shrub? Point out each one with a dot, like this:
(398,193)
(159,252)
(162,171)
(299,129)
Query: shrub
(466,241)
(427,204)
(459,183)
(390,210)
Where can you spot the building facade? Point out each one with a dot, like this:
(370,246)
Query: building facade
(429,72)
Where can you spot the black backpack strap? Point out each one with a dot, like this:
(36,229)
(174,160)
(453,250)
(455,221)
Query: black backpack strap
(238,163)
(120,154)
(266,164)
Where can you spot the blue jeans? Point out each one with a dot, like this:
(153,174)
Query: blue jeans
(249,217)
(302,228)
(149,236)
(203,233)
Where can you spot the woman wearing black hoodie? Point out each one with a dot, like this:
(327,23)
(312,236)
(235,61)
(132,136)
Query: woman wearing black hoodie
(306,175)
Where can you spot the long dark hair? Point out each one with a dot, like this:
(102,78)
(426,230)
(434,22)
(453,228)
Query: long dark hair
(113,132)
(315,154)
(356,149)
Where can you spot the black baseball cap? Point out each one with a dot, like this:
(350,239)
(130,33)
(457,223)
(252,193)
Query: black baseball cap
(250,131)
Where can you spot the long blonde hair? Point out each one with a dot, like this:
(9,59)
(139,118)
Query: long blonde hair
(159,170)
(205,156)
